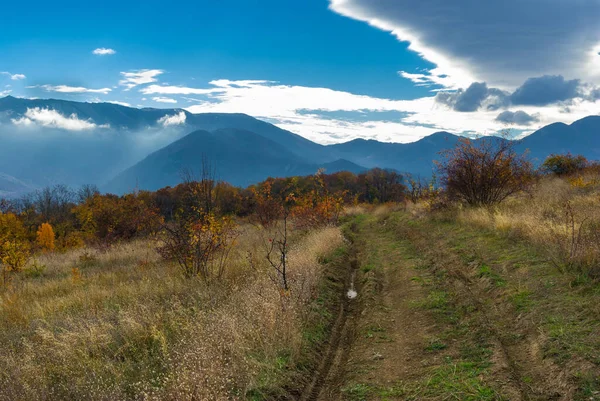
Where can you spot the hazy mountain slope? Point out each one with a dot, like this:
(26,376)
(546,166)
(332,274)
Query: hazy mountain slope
(115,115)
(581,137)
(122,117)
(239,157)
(415,157)
(49,155)
(43,156)
(12,187)
(292,142)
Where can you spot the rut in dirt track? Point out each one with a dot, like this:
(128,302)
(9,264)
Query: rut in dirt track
(327,380)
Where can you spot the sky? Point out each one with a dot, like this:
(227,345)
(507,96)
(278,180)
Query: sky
(329,70)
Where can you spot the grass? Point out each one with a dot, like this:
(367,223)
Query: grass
(534,289)
(456,360)
(497,292)
(560,217)
(457,381)
(128,326)
(453,380)
(510,299)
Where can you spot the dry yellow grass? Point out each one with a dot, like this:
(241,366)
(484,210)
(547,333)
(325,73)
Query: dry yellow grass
(129,326)
(560,215)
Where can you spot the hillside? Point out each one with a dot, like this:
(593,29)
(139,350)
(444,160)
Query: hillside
(239,157)
(11,187)
(120,117)
(415,157)
(117,153)
(581,137)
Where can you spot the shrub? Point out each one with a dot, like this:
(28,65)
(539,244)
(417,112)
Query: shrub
(576,246)
(268,207)
(200,247)
(112,218)
(45,237)
(36,269)
(484,171)
(14,248)
(316,208)
(566,164)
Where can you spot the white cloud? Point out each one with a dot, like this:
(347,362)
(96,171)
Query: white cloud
(174,90)
(140,77)
(119,103)
(14,77)
(53,119)
(301,110)
(103,51)
(5,93)
(164,100)
(502,43)
(71,89)
(221,85)
(176,119)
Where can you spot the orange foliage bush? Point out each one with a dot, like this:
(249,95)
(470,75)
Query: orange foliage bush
(268,207)
(110,217)
(319,206)
(45,237)
(14,248)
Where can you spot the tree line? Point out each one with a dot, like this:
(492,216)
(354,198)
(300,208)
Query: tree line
(197,219)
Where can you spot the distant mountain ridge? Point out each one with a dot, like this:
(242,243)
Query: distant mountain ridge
(11,187)
(239,157)
(128,118)
(244,149)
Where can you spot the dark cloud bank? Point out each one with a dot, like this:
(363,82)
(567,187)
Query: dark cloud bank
(539,91)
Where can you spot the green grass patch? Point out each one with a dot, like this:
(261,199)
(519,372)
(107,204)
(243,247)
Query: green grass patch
(435,345)
(458,381)
(487,272)
(521,300)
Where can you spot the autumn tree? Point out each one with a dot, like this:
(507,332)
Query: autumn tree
(200,189)
(6,206)
(86,192)
(268,205)
(319,206)
(484,171)
(564,164)
(14,247)
(111,217)
(197,239)
(417,188)
(54,203)
(383,186)
(45,237)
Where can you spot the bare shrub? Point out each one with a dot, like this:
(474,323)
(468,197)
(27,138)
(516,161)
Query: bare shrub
(577,245)
(484,171)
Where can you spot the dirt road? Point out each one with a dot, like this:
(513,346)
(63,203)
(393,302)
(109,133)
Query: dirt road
(433,322)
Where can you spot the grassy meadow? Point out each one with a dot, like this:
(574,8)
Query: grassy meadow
(481,303)
(121,323)
(454,302)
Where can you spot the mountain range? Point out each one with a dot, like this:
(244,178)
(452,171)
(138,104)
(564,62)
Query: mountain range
(122,148)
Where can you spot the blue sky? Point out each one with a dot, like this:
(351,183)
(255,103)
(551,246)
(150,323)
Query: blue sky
(393,70)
